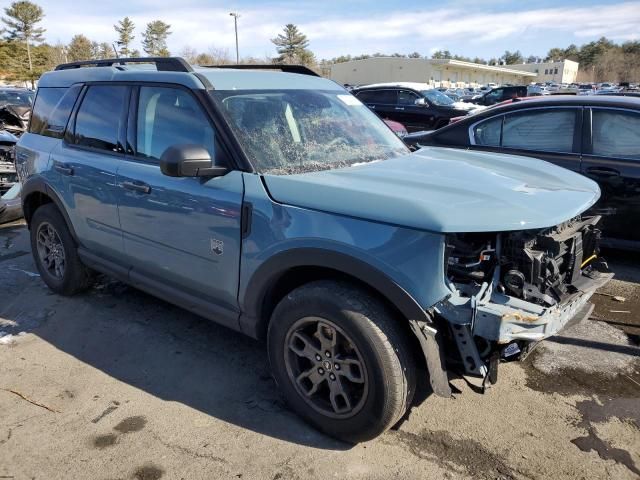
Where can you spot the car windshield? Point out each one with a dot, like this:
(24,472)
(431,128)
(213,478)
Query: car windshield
(295,131)
(16,97)
(436,97)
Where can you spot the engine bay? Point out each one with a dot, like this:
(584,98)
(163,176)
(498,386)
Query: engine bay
(538,266)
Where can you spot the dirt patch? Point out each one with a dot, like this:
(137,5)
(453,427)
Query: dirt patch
(148,472)
(569,381)
(466,454)
(104,441)
(600,411)
(131,424)
(626,409)
(605,451)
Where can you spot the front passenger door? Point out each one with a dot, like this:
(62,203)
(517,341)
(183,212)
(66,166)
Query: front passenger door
(181,234)
(413,117)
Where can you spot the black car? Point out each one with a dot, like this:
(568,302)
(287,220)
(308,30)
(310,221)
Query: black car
(500,94)
(598,136)
(416,106)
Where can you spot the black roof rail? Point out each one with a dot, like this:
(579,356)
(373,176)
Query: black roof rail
(300,69)
(163,64)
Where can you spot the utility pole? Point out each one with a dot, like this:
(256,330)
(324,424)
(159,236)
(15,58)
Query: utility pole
(235,16)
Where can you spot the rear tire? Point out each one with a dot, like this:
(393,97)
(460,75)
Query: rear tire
(341,359)
(55,252)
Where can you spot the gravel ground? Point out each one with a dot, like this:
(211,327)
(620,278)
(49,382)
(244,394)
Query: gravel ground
(115,384)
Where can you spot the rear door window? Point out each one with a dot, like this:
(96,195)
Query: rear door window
(99,120)
(378,96)
(616,133)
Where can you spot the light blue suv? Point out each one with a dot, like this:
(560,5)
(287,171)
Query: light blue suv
(275,203)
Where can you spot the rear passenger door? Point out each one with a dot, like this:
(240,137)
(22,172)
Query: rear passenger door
(612,158)
(83,167)
(551,134)
(382,101)
(181,235)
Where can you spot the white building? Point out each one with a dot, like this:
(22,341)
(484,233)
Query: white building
(565,71)
(436,72)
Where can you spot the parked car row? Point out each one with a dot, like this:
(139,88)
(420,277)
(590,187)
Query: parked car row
(416,105)
(597,136)
(15,111)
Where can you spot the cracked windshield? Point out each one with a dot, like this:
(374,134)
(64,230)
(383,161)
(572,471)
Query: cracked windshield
(296,131)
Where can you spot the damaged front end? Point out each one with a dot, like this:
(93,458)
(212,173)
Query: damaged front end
(510,290)
(8,175)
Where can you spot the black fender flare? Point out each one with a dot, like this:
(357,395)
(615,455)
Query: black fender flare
(37,185)
(420,322)
(275,267)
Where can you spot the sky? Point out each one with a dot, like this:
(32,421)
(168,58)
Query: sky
(484,28)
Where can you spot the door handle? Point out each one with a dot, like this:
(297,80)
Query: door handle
(137,186)
(603,171)
(64,169)
(399,108)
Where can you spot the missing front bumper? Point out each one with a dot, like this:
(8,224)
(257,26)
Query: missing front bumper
(500,319)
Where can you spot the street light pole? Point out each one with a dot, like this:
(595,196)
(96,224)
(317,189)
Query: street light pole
(235,16)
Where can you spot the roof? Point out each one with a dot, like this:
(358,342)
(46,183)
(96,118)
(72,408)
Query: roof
(199,79)
(412,85)
(233,79)
(447,61)
(553,101)
(575,100)
(479,66)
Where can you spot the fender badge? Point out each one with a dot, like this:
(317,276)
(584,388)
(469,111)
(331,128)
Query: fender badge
(217,246)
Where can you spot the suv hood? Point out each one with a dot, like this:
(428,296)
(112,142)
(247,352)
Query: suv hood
(444,190)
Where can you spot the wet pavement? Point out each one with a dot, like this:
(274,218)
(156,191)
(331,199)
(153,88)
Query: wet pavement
(114,383)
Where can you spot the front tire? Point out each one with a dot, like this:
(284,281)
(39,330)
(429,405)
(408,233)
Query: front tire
(341,359)
(55,253)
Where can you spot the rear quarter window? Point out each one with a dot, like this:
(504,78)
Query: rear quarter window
(46,100)
(52,110)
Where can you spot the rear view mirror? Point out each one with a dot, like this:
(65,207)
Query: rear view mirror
(421,102)
(189,161)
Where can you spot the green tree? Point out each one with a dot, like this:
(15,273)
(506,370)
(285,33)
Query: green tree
(291,46)
(125,28)
(154,39)
(104,50)
(441,54)
(21,20)
(415,55)
(80,48)
(554,55)
(512,58)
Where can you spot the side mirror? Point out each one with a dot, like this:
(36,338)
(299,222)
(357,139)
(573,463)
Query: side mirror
(421,102)
(189,161)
